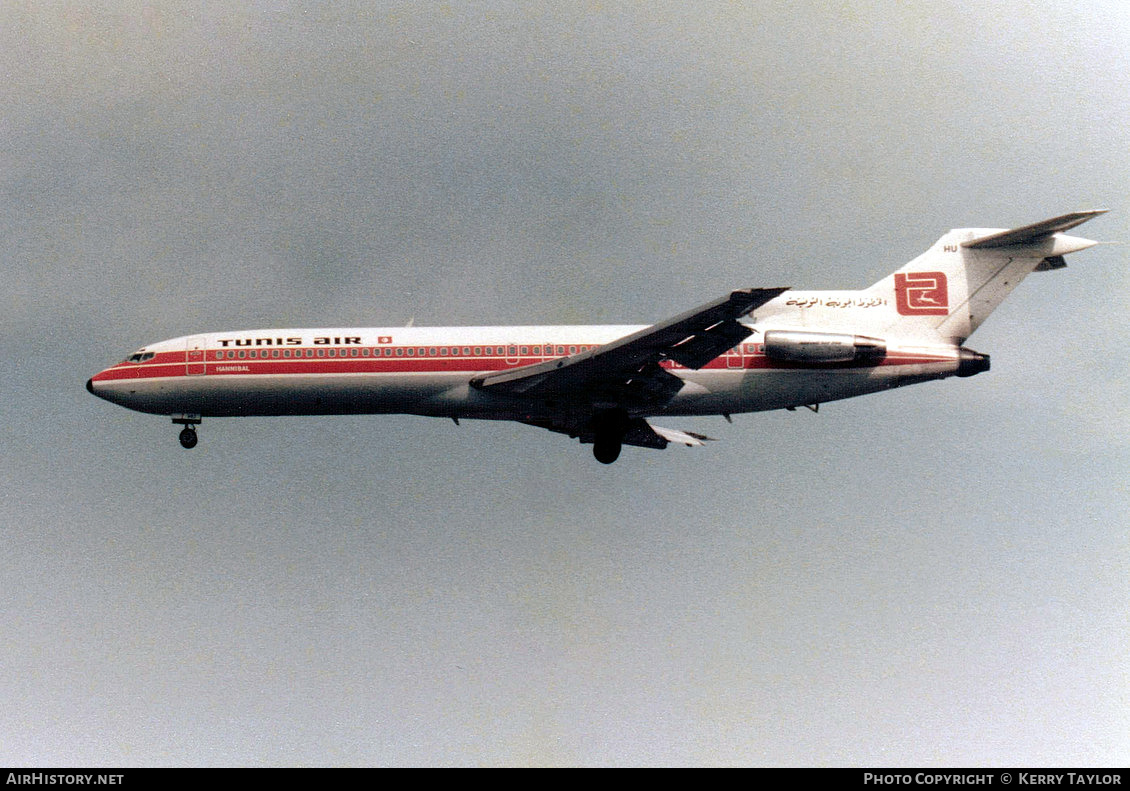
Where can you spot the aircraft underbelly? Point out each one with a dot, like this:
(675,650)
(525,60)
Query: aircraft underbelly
(766,389)
(291,394)
(450,394)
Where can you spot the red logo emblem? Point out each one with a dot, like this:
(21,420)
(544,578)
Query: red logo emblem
(922,294)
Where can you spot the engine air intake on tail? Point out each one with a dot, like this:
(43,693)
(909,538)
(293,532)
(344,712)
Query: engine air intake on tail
(823,348)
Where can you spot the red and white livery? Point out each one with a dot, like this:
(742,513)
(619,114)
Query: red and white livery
(749,351)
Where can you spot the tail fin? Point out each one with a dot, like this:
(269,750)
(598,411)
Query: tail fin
(945,293)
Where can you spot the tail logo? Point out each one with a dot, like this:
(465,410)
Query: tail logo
(922,294)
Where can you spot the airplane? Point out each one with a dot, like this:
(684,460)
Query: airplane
(752,350)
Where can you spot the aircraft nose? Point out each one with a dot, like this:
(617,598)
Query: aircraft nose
(95,389)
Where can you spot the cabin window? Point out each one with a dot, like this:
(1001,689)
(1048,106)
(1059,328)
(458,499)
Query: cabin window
(242,354)
(478,351)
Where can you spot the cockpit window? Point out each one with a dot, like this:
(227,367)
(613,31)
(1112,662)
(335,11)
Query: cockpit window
(140,357)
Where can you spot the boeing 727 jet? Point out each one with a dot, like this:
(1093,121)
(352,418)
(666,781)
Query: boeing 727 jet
(752,350)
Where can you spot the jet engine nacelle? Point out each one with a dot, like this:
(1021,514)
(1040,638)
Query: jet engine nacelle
(816,348)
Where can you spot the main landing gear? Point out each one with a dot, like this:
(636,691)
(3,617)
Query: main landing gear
(608,434)
(606,450)
(188,436)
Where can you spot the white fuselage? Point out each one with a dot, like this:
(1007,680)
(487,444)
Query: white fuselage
(428,371)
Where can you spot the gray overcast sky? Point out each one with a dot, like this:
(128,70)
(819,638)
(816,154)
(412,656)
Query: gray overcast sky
(937,575)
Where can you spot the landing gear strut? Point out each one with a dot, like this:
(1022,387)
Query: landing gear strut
(188,433)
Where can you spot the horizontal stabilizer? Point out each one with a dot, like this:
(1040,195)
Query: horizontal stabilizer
(1034,232)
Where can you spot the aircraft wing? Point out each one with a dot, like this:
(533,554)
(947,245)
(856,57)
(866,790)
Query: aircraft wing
(626,372)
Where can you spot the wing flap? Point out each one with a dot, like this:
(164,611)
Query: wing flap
(688,438)
(638,432)
(698,349)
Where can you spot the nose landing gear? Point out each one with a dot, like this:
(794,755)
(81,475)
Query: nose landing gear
(188,436)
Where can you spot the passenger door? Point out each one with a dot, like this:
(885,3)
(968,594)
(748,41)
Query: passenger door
(194,356)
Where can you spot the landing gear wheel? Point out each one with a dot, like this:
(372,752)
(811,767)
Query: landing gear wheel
(188,437)
(606,451)
(608,428)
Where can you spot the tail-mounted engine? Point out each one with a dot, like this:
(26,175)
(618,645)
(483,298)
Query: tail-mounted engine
(823,348)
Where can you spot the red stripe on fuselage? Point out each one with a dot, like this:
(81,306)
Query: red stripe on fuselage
(218,363)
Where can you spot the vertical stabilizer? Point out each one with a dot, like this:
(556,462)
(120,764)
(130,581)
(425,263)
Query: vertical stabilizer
(946,293)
